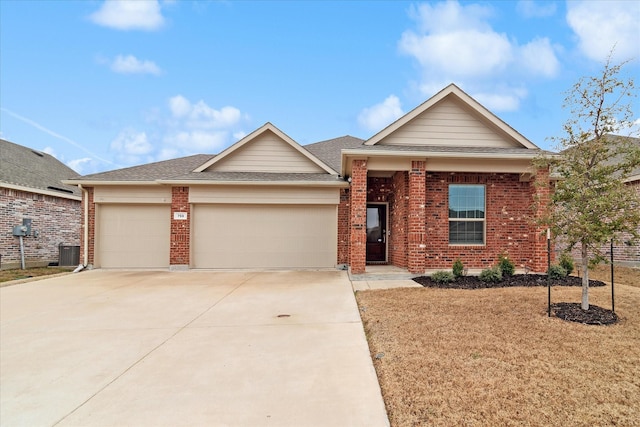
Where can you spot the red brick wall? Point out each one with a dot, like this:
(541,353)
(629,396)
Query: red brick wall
(508,226)
(358,234)
(56,219)
(416,234)
(91,225)
(398,211)
(180,229)
(343,226)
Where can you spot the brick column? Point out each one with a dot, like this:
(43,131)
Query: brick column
(541,190)
(90,226)
(358,236)
(180,229)
(416,220)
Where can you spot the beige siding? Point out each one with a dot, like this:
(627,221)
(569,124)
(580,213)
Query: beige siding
(132,236)
(266,153)
(473,165)
(449,123)
(264,236)
(127,194)
(264,195)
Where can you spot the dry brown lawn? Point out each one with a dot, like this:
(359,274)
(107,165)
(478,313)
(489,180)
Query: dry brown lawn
(492,357)
(17,274)
(621,275)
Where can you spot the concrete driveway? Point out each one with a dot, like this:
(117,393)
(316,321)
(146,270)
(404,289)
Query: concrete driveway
(116,348)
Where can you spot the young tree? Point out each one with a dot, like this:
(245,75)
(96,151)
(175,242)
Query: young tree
(591,204)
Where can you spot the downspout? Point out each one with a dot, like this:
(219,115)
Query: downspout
(85,254)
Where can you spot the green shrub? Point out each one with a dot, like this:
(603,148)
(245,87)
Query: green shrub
(442,277)
(506,266)
(567,263)
(491,274)
(458,268)
(557,272)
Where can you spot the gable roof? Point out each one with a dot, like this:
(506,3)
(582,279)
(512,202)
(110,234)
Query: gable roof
(25,169)
(254,138)
(329,151)
(454,92)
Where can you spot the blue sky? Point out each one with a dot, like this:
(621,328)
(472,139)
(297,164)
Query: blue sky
(103,85)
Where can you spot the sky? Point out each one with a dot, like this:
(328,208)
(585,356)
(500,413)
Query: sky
(108,84)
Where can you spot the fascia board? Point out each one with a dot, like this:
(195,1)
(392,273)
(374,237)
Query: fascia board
(337,183)
(40,191)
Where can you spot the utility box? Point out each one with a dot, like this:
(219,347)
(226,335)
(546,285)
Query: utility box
(68,256)
(20,230)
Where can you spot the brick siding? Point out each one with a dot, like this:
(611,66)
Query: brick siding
(180,229)
(358,228)
(343,226)
(419,219)
(56,219)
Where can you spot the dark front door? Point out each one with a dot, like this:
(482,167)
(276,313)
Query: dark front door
(376,233)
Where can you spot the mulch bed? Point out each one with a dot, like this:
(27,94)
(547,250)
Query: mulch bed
(572,312)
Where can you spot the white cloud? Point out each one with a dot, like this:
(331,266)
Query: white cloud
(129,64)
(200,115)
(455,42)
(132,147)
(600,25)
(536,9)
(505,99)
(199,141)
(129,15)
(538,56)
(79,165)
(50,151)
(380,115)
(179,106)
(197,127)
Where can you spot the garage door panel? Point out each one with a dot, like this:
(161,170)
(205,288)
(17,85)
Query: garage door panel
(133,236)
(264,236)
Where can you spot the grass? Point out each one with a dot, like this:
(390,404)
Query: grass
(492,357)
(16,274)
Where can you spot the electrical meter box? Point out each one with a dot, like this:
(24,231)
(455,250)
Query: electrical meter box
(20,230)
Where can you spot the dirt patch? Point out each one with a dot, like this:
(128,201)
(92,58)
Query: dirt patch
(492,357)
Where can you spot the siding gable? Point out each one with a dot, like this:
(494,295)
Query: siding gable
(267,152)
(454,119)
(449,123)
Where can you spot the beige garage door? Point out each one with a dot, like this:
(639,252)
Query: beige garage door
(264,236)
(133,236)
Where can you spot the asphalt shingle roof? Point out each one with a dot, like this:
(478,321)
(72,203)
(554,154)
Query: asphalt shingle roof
(166,169)
(329,151)
(25,167)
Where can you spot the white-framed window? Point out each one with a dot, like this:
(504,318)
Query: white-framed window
(466,214)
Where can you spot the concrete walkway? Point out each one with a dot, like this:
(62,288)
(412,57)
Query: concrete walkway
(115,348)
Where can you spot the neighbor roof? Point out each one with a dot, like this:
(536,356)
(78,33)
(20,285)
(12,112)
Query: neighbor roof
(26,169)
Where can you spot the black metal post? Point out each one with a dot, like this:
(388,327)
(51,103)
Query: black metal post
(613,303)
(548,272)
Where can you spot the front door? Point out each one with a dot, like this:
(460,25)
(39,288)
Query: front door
(376,233)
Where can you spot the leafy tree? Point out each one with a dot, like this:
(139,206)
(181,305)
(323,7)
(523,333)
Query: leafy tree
(591,204)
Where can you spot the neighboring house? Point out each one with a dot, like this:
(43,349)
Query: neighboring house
(626,251)
(31,188)
(448,180)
